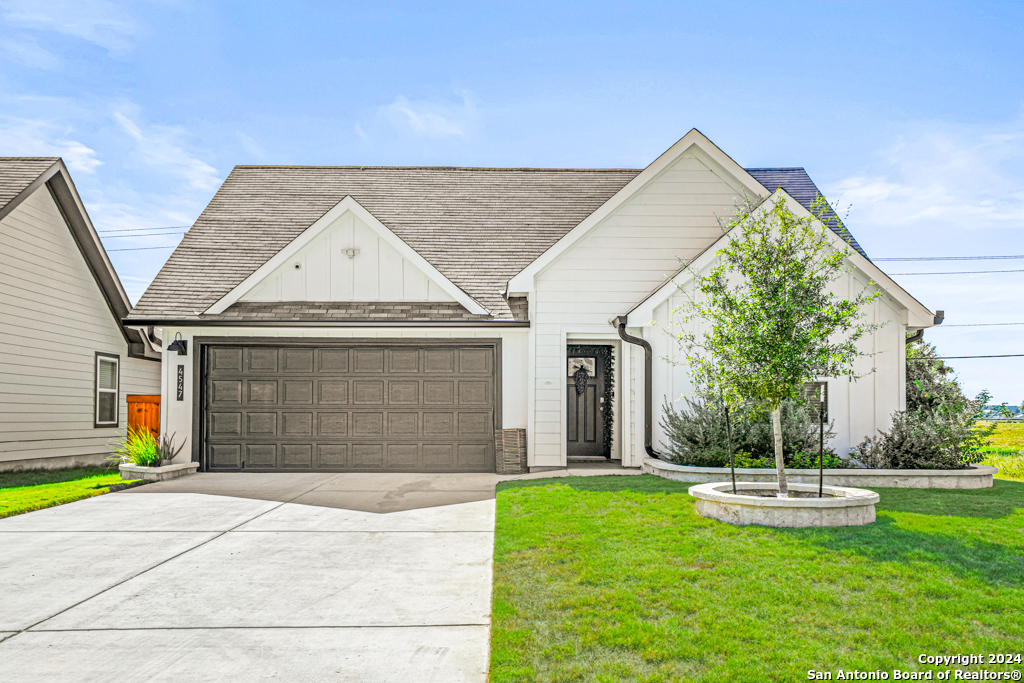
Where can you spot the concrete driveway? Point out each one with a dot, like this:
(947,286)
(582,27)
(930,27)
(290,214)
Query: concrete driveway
(250,577)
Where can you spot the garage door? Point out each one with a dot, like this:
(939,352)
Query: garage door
(354,407)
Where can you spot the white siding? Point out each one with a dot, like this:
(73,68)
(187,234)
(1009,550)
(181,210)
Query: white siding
(859,407)
(55,319)
(326,273)
(618,263)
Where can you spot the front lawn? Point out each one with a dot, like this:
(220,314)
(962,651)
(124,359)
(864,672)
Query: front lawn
(617,579)
(36,489)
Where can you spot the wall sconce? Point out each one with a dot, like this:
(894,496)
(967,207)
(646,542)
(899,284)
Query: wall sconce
(180,345)
(351,253)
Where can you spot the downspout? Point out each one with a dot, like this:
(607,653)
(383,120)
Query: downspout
(620,324)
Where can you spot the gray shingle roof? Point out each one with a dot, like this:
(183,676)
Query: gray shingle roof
(478,226)
(17,173)
(800,187)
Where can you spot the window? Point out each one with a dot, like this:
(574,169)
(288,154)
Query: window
(108,368)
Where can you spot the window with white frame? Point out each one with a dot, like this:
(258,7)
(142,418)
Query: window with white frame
(108,368)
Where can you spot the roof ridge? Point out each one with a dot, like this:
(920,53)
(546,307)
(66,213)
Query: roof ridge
(443,168)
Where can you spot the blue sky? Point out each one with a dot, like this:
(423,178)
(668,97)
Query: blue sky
(912,113)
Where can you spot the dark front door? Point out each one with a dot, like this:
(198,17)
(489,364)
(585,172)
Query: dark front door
(585,402)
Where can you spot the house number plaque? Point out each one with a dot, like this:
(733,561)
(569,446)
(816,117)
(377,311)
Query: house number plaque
(181,382)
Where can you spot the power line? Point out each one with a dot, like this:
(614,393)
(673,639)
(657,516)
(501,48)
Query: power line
(165,227)
(169,246)
(148,234)
(938,327)
(948,258)
(961,272)
(1004,355)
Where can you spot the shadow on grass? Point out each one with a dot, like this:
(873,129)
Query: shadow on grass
(640,483)
(995,503)
(885,541)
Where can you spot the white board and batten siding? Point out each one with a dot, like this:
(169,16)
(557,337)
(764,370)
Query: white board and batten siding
(618,263)
(55,319)
(859,407)
(323,270)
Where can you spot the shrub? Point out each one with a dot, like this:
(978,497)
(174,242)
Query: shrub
(940,429)
(697,436)
(141,447)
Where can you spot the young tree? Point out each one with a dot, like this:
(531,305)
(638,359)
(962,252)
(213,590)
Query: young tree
(773,324)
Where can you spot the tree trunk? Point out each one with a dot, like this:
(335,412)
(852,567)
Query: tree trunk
(780,464)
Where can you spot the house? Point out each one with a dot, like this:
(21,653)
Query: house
(66,361)
(461,319)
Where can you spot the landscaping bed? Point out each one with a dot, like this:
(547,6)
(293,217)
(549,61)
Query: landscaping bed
(37,489)
(618,579)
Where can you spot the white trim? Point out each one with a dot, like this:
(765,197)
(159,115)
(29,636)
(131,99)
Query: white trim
(918,316)
(116,391)
(385,233)
(694,140)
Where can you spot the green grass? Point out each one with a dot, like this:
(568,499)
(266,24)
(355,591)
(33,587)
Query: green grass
(37,489)
(617,579)
(1005,450)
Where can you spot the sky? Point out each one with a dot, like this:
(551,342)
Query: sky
(908,115)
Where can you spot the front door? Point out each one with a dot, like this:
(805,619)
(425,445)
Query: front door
(585,402)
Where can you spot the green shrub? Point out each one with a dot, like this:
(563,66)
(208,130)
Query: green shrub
(940,429)
(697,434)
(140,447)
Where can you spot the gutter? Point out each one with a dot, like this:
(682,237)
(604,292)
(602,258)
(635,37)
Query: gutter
(919,335)
(620,324)
(339,323)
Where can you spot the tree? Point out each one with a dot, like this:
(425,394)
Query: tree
(773,323)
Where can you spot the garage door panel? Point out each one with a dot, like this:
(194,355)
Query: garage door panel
(438,393)
(403,392)
(297,360)
(297,424)
(368,360)
(333,392)
(261,456)
(368,455)
(332,424)
(368,392)
(367,424)
(335,408)
(403,456)
(404,360)
(333,360)
(297,392)
(263,392)
(261,360)
(297,455)
(226,359)
(261,424)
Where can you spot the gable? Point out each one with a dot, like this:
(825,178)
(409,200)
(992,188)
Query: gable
(347,255)
(324,271)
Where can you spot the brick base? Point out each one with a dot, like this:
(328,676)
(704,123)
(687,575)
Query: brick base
(510,451)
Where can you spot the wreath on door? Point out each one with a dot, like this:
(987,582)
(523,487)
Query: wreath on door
(609,382)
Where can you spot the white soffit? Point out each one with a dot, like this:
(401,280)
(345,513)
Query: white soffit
(323,223)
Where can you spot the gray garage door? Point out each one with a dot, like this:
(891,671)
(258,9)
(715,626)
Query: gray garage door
(380,407)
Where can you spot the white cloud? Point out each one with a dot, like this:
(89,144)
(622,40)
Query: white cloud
(96,21)
(160,147)
(28,52)
(423,120)
(41,138)
(936,174)
(251,147)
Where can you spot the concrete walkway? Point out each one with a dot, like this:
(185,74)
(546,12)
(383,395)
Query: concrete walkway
(252,577)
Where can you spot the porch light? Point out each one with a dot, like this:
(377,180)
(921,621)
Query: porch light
(180,345)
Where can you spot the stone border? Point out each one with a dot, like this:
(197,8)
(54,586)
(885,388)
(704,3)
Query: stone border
(975,477)
(844,507)
(157,473)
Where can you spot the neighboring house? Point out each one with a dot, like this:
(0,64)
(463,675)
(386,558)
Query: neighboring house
(368,319)
(66,361)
